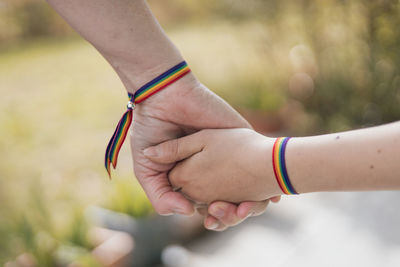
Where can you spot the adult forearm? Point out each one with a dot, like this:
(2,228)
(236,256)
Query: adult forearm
(126,33)
(366,159)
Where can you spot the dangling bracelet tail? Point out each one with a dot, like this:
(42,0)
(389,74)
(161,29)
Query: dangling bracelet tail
(147,90)
(279,165)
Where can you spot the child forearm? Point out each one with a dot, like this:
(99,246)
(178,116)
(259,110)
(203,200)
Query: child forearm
(366,159)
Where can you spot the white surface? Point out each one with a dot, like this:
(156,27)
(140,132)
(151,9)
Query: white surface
(341,229)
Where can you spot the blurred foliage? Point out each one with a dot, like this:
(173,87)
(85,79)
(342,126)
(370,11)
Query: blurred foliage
(130,200)
(28,19)
(315,66)
(56,118)
(321,66)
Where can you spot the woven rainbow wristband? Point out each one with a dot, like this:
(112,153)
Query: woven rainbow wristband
(279,165)
(144,92)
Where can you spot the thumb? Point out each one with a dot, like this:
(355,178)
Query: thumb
(175,150)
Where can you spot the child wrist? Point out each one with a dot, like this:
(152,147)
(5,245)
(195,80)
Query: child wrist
(280,167)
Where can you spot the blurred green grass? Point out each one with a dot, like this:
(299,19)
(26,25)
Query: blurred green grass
(313,66)
(60,101)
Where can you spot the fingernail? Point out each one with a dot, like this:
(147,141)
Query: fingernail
(219,213)
(213,226)
(150,152)
(181,211)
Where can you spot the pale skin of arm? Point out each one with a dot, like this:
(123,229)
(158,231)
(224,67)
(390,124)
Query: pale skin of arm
(361,160)
(128,36)
(236,164)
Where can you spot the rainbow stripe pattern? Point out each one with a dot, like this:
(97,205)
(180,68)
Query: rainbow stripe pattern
(117,140)
(279,165)
(144,92)
(159,83)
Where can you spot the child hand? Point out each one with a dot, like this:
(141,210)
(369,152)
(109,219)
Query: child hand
(226,164)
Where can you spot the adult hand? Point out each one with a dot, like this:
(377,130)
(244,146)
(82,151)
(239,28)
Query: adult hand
(129,37)
(183,108)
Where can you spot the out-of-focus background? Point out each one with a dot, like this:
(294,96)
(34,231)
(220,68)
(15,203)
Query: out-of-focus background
(295,67)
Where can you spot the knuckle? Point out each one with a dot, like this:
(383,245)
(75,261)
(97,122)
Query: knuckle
(171,148)
(177,177)
(173,177)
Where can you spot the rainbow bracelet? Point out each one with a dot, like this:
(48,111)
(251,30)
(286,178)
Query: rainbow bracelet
(279,165)
(144,92)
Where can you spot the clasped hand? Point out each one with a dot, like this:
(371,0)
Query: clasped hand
(232,165)
(184,108)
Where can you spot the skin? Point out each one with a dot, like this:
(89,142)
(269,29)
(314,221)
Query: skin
(129,37)
(230,165)
(184,119)
(235,165)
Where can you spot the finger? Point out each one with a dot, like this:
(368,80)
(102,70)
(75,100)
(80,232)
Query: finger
(173,203)
(225,212)
(251,208)
(175,150)
(212,223)
(275,199)
(164,200)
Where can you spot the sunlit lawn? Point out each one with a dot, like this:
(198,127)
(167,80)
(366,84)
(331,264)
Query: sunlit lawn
(59,103)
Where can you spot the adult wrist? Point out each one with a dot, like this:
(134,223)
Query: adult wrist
(134,75)
(135,70)
(172,96)
(156,85)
